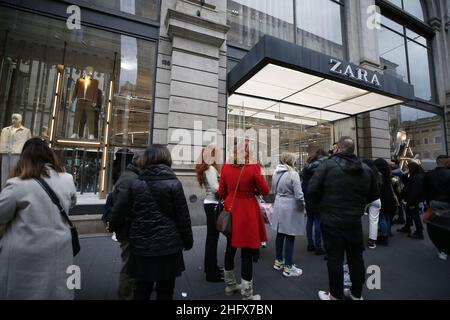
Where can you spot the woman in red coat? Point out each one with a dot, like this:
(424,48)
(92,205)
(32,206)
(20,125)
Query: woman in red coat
(248,229)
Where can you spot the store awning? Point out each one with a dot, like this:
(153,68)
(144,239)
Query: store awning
(278,80)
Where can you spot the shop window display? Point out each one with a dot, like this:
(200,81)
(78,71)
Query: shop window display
(88,92)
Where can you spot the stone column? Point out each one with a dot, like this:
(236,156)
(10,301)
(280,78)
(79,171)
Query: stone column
(192,87)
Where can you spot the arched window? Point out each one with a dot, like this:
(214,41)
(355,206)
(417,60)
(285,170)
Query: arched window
(413,7)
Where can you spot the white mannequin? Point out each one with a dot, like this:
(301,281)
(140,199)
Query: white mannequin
(14,137)
(12,140)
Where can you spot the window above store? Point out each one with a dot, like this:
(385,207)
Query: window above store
(415,8)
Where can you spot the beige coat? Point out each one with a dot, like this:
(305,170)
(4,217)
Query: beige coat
(36,248)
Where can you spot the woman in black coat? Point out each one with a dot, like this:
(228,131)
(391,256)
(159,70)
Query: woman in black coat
(160,226)
(413,195)
(388,203)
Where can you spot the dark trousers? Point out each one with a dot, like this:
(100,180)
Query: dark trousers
(314,222)
(212,238)
(246,257)
(440,238)
(413,216)
(164,289)
(286,241)
(338,243)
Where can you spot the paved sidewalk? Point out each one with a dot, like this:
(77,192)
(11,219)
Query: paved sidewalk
(409,270)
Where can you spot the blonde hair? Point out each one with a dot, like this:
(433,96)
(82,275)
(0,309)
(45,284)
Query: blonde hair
(288,159)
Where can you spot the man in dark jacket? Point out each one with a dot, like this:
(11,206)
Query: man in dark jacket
(436,187)
(120,223)
(342,186)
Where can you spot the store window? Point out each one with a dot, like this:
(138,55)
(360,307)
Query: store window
(420,130)
(249,20)
(320,27)
(318,23)
(401,52)
(84,78)
(143,8)
(413,7)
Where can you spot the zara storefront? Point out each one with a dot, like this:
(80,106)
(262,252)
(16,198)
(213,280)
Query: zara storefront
(139,71)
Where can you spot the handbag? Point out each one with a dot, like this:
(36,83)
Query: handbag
(224,219)
(73,230)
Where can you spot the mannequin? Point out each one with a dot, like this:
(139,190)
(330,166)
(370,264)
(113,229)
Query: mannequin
(12,140)
(87,95)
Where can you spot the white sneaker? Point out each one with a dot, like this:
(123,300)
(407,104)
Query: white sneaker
(113,237)
(326,296)
(74,136)
(349,296)
(278,265)
(292,271)
(347,280)
(442,256)
(91,137)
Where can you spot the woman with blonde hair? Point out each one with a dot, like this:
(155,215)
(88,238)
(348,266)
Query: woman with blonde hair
(207,170)
(288,218)
(240,181)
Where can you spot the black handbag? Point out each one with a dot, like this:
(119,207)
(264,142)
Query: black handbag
(73,230)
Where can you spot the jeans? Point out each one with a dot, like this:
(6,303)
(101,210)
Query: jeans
(338,243)
(286,241)
(385,225)
(246,257)
(212,238)
(413,215)
(164,289)
(126,283)
(314,221)
(374,217)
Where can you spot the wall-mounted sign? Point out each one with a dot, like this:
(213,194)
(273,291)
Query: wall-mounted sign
(356,73)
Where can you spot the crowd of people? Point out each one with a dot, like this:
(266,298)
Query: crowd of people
(149,214)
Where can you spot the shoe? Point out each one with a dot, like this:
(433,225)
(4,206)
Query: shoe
(349,296)
(319,251)
(74,136)
(278,265)
(416,235)
(247,291)
(371,244)
(263,245)
(91,137)
(326,296)
(442,256)
(113,237)
(215,278)
(347,280)
(311,248)
(292,271)
(231,285)
(404,230)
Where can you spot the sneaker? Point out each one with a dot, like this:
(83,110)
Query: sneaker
(319,251)
(347,280)
(311,248)
(278,265)
(292,271)
(113,237)
(442,256)
(326,296)
(371,244)
(416,235)
(349,296)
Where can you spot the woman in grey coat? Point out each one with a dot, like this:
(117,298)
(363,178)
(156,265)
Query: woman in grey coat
(288,218)
(36,248)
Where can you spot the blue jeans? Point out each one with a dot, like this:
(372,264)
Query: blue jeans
(314,220)
(385,225)
(283,240)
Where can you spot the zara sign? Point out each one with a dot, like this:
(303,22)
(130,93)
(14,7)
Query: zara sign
(347,70)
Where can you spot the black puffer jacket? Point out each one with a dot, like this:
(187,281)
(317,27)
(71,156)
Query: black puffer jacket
(307,173)
(160,222)
(342,186)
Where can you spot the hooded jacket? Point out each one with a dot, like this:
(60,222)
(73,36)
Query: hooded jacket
(341,187)
(160,221)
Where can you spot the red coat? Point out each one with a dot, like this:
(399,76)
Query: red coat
(248,229)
